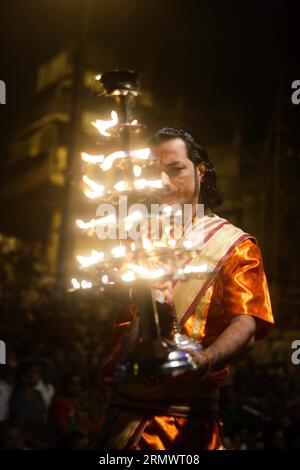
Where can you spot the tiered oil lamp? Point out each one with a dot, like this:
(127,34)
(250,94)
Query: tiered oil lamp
(139,257)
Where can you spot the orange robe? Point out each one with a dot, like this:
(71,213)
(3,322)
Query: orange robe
(240,288)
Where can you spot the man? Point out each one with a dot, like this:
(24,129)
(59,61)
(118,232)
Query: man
(225,314)
(27,409)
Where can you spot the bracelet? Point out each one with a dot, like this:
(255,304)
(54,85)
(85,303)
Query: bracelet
(209,361)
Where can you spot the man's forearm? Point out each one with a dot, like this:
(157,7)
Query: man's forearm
(238,336)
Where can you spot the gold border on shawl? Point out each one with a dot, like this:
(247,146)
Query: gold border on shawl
(211,253)
(201,315)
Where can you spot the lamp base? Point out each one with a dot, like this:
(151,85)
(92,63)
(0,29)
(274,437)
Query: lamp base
(183,341)
(154,358)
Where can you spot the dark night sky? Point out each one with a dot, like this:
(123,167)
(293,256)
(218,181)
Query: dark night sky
(213,54)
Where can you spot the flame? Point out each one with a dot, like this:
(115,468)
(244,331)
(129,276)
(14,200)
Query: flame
(121,185)
(188,244)
(81,285)
(75,283)
(140,184)
(118,251)
(86,261)
(94,159)
(143,183)
(102,126)
(109,219)
(201,268)
(86,284)
(137,170)
(108,161)
(96,190)
(147,244)
(128,277)
(146,273)
(140,154)
(157,184)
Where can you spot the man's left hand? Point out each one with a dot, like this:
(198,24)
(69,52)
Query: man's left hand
(200,362)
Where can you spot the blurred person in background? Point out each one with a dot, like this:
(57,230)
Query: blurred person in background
(7,381)
(70,410)
(27,408)
(45,385)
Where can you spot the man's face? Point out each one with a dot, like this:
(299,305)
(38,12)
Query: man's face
(178,172)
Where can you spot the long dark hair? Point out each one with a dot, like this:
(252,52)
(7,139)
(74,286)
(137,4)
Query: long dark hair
(210,194)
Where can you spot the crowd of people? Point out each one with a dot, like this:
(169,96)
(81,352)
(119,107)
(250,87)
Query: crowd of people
(42,406)
(45,406)
(261,408)
(50,392)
